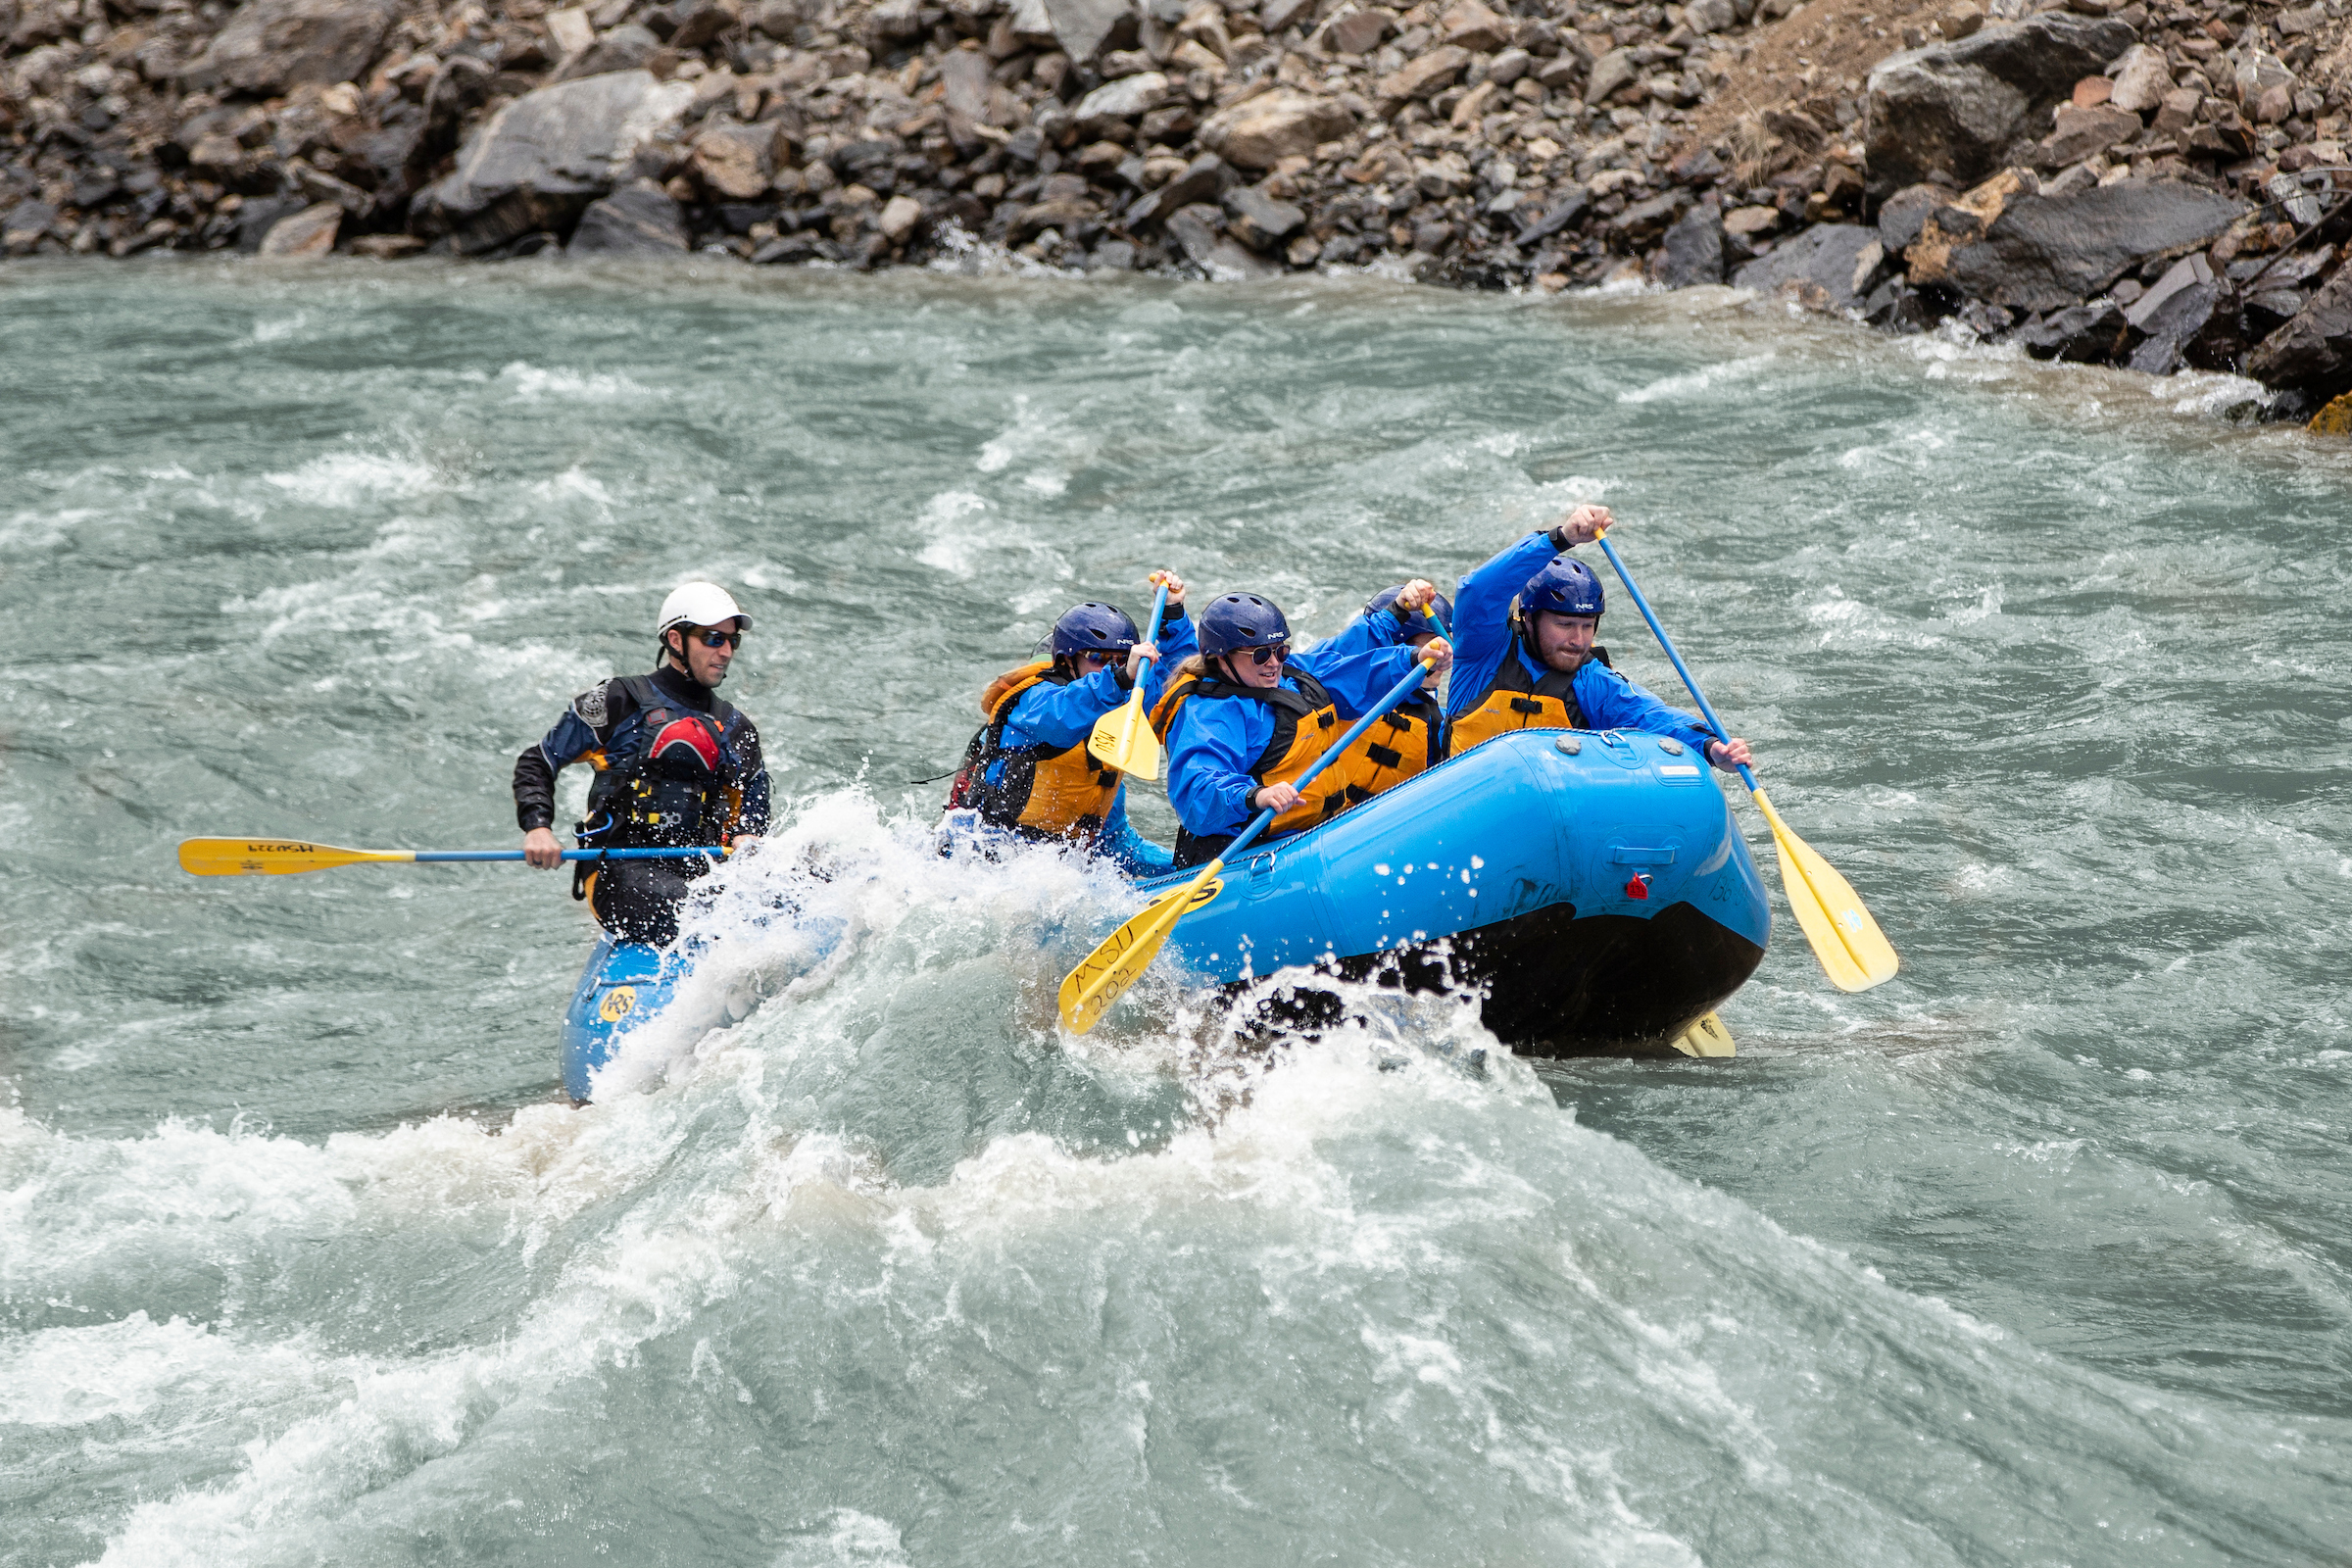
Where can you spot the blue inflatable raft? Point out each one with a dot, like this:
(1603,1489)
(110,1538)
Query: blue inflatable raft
(1591,885)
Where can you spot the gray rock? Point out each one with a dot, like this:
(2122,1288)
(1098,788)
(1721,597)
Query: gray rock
(2082,132)
(24,224)
(2044,253)
(1692,253)
(1115,103)
(1610,71)
(2082,334)
(2173,326)
(541,160)
(1194,227)
(1201,181)
(964,82)
(1960,106)
(1901,215)
(307,232)
(1843,260)
(1357,32)
(1112,256)
(1086,27)
(1567,208)
(1259,220)
(2314,350)
(637,219)
(1259,132)
(2186,273)
(1276,15)
(624,48)
(1709,16)
(271,46)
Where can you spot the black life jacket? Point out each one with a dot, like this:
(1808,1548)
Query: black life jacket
(668,782)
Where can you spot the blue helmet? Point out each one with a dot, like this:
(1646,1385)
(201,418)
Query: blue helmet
(1566,587)
(1093,628)
(1442,611)
(1240,621)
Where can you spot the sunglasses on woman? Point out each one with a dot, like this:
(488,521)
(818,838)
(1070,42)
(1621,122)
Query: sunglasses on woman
(1280,653)
(1096,656)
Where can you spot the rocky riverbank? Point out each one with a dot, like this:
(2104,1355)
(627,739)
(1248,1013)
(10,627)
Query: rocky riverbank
(2153,184)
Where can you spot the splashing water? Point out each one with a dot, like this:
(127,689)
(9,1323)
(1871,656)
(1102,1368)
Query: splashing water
(2035,1254)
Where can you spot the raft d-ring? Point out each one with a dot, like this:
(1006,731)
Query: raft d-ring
(1569,745)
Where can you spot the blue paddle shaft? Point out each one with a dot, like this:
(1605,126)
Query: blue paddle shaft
(1396,694)
(1667,643)
(681,854)
(1159,607)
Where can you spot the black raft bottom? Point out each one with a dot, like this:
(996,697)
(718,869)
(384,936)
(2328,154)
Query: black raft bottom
(1558,986)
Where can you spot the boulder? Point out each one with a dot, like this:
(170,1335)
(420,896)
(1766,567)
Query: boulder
(541,160)
(735,163)
(1568,204)
(2081,334)
(1422,77)
(1260,221)
(1117,102)
(1199,182)
(1259,132)
(1692,252)
(1961,106)
(1901,215)
(1277,15)
(309,232)
(2314,350)
(2173,326)
(637,219)
(963,81)
(1843,260)
(1610,71)
(1471,26)
(2083,132)
(2141,79)
(2186,273)
(1086,27)
(23,224)
(897,219)
(272,46)
(1358,33)
(2043,253)
(624,48)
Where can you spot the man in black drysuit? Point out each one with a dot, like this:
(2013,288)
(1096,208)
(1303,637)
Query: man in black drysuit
(674,765)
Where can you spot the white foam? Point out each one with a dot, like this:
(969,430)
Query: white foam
(349,479)
(532,384)
(1692,383)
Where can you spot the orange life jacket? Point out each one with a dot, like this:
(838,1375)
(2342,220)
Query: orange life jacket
(1044,791)
(1514,701)
(1306,724)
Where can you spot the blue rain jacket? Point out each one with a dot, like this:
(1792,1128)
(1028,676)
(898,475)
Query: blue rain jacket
(1215,740)
(1481,621)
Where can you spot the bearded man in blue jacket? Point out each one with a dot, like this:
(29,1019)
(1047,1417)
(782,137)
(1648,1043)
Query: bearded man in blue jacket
(1527,619)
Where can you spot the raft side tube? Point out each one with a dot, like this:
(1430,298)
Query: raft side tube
(1593,885)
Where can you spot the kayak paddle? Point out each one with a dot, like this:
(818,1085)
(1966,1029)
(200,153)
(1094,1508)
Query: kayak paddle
(1105,974)
(285,856)
(1123,738)
(1853,952)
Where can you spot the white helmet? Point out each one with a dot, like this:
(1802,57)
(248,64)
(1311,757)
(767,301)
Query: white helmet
(699,603)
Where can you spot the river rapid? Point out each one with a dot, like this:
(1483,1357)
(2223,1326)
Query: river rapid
(2037,1254)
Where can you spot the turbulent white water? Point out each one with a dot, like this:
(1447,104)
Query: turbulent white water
(2036,1255)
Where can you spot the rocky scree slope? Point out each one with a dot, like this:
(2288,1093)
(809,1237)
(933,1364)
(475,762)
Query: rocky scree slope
(2153,185)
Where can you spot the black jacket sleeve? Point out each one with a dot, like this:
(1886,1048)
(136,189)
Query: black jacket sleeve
(534,790)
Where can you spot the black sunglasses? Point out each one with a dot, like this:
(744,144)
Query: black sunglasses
(712,637)
(1278,652)
(1105,656)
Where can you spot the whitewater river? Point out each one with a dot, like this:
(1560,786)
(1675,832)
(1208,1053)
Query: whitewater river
(2037,1254)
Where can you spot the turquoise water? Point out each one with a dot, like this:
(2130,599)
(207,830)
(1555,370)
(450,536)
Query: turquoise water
(2037,1254)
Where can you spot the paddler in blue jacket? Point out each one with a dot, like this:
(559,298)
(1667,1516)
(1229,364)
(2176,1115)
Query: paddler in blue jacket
(675,764)
(1407,616)
(1527,619)
(1028,771)
(1246,719)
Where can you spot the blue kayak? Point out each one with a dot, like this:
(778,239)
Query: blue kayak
(624,983)
(1592,884)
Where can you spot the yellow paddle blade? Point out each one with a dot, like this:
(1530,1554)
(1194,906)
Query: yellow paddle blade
(272,856)
(1123,739)
(1853,950)
(1103,976)
(1705,1038)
